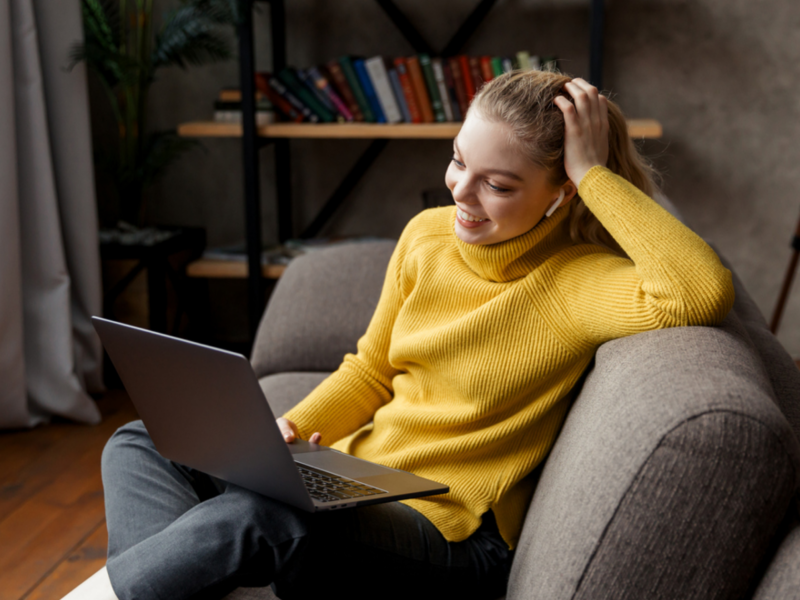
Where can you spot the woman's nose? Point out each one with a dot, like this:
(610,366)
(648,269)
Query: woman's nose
(462,192)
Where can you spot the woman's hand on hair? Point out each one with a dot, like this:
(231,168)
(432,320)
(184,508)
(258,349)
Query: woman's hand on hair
(586,128)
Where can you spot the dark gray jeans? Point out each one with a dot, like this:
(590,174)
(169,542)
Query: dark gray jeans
(177,533)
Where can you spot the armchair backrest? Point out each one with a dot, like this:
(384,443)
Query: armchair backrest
(320,307)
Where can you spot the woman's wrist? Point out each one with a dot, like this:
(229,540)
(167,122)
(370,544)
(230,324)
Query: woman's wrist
(579,173)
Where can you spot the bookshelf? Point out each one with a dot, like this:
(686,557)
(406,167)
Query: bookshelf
(278,136)
(637,128)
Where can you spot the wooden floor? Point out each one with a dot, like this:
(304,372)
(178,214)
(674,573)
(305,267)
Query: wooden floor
(52,521)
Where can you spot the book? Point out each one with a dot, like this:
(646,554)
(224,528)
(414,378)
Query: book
(288,77)
(433,90)
(451,91)
(444,96)
(305,78)
(276,87)
(408,89)
(322,83)
(369,91)
(549,63)
(524,60)
(420,89)
(466,76)
(235,95)
(231,112)
(334,74)
(458,80)
(508,66)
(487,73)
(346,63)
(475,73)
(379,77)
(497,66)
(397,88)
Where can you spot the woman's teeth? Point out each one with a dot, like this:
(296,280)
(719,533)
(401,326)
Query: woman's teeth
(468,217)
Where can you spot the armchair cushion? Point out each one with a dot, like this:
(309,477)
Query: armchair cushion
(670,476)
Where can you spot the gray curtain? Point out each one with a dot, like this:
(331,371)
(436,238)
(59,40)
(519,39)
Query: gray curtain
(50,358)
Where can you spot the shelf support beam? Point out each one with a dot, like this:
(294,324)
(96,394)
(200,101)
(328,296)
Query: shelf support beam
(467,28)
(250,144)
(345,187)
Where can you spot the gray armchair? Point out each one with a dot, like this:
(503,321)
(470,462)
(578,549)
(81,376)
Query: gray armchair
(675,474)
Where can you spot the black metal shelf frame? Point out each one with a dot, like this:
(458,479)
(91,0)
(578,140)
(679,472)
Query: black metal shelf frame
(251,143)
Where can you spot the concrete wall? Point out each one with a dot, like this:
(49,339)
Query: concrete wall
(721,75)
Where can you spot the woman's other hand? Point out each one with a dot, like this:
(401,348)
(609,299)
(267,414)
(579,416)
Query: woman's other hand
(586,128)
(289,431)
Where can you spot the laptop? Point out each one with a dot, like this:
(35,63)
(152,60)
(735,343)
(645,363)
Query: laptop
(204,408)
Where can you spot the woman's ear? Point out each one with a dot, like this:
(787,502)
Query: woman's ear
(565,193)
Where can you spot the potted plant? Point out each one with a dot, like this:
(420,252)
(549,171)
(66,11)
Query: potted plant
(124,50)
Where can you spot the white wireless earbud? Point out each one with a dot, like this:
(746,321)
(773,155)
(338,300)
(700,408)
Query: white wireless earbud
(553,208)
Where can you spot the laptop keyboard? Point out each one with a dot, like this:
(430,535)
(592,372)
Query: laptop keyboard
(327,487)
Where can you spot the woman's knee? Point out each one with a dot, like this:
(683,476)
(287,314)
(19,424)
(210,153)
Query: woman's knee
(127,441)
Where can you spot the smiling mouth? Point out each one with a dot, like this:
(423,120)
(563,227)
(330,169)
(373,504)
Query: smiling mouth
(468,217)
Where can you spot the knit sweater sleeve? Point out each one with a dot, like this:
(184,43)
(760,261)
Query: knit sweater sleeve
(349,397)
(672,277)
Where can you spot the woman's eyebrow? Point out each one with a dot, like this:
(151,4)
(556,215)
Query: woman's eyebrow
(509,174)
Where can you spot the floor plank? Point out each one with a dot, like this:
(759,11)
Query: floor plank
(51,501)
(82,562)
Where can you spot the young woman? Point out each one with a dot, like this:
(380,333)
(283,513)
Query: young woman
(490,312)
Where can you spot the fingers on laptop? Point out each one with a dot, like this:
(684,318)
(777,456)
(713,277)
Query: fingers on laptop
(288,429)
(315,438)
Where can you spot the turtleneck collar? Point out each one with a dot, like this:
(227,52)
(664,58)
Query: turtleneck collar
(515,258)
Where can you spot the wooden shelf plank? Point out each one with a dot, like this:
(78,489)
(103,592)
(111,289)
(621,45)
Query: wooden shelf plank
(229,269)
(637,128)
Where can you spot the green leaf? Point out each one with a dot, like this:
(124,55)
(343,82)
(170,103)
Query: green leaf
(189,36)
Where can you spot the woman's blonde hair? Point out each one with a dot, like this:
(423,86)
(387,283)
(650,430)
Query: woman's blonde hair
(523,100)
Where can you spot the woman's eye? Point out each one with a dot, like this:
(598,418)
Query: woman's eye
(455,160)
(497,189)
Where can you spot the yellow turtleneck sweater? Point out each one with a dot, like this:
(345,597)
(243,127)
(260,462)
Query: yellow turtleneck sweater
(465,372)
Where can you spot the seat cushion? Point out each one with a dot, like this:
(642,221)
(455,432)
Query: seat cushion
(320,308)
(671,474)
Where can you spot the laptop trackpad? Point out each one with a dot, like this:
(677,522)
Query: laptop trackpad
(341,464)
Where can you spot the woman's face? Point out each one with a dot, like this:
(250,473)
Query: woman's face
(500,193)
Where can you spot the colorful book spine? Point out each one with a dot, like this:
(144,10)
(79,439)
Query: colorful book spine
(461,88)
(281,104)
(369,91)
(536,63)
(475,73)
(308,81)
(324,86)
(497,66)
(288,78)
(508,65)
(463,62)
(408,89)
(486,68)
(353,81)
(524,60)
(334,73)
(278,88)
(438,75)
(420,89)
(379,78)
(433,90)
(451,90)
(397,88)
